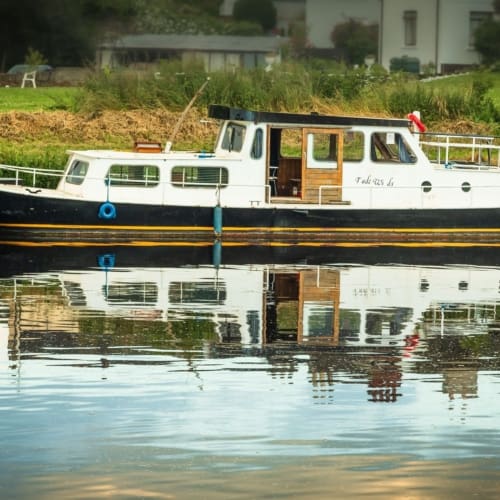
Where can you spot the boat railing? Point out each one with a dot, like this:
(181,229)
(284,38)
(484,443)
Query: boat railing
(474,151)
(28,176)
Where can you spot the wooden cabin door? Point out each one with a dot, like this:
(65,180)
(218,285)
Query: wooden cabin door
(322,166)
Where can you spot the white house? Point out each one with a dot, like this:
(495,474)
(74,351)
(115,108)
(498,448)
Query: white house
(436,32)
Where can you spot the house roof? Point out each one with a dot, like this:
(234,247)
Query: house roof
(206,43)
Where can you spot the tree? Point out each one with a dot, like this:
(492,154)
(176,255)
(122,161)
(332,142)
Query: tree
(356,40)
(487,41)
(64,31)
(262,12)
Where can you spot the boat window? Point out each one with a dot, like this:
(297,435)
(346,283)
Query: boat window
(187,176)
(322,150)
(354,146)
(77,172)
(134,175)
(233,137)
(391,147)
(256,152)
(324,147)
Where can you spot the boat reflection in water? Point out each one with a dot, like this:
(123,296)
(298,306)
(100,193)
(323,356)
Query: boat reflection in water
(251,367)
(257,308)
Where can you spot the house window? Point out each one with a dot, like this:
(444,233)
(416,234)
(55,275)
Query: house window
(199,176)
(475,20)
(410,27)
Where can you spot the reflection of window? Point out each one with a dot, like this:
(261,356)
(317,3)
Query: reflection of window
(410,27)
(131,293)
(199,176)
(187,292)
(77,172)
(475,20)
(350,324)
(75,294)
(134,175)
(233,137)
(318,319)
(391,147)
(354,146)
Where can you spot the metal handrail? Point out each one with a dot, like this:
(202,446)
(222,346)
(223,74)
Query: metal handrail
(477,143)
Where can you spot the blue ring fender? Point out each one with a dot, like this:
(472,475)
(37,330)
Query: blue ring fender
(107,211)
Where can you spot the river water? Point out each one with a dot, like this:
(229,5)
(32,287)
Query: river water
(171,373)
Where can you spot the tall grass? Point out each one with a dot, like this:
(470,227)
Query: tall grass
(293,87)
(471,103)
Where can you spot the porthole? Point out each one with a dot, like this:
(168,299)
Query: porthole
(463,285)
(465,187)
(426,186)
(424,285)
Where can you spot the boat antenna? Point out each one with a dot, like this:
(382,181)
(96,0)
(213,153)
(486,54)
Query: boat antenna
(168,145)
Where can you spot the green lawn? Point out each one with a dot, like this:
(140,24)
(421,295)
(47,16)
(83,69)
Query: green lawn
(39,99)
(465,81)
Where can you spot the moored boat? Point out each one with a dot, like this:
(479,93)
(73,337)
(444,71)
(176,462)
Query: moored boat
(272,178)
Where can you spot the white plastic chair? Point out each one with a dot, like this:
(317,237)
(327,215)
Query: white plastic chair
(29,77)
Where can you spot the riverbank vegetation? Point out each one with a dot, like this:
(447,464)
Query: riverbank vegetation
(114,109)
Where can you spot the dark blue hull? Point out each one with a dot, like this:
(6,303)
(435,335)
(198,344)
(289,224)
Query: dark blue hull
(35,218)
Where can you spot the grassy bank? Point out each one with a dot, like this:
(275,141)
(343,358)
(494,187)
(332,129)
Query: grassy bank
(39,99)
(113,110)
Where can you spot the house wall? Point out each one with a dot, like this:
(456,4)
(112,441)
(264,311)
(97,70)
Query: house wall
(323,15)
(455,48)
(392,36)
(443,31)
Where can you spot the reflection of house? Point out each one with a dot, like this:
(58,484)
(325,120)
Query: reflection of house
(216,52)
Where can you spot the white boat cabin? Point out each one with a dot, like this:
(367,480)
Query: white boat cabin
(264,159)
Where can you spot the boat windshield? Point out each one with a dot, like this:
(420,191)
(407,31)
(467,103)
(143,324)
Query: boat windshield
(77,172)
(234,136)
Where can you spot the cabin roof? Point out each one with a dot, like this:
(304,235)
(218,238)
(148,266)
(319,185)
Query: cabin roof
(314,119)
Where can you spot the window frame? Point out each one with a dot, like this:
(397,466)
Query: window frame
(410,21)
(190,183)
(231,141)
(123,180)
(76,179)
(400,153)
